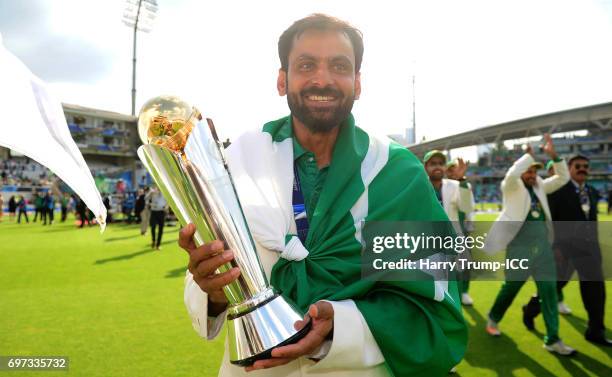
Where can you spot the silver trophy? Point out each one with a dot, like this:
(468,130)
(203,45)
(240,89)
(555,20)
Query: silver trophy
(184,156)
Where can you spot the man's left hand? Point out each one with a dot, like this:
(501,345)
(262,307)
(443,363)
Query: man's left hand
(461,169)
(321,314)
(548,147)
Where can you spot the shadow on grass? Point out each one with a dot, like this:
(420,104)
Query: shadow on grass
(571,365)
(581,325)
(491,352)
(176,273)
(61,228)
(124,257)
(112,239)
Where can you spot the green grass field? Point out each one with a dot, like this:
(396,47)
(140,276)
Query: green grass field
(115,307)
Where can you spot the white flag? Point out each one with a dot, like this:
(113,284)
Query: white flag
(33,123)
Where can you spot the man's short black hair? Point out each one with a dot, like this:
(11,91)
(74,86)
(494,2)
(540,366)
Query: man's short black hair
(577,157)
(319,21)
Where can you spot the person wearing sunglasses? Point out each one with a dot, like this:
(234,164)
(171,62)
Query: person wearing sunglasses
(574,211)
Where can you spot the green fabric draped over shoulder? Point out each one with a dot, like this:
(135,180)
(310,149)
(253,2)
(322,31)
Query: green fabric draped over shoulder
(417,335)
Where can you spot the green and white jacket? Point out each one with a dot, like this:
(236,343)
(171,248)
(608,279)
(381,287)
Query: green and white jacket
(381,328)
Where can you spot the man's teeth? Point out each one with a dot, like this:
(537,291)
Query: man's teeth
(321,98)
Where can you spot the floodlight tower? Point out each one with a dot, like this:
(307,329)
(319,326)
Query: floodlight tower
(138,14)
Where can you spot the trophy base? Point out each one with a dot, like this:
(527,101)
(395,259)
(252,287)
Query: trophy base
(268,354)
(254,334)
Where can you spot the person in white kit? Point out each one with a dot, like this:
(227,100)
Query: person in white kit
(455,170)
(157,220)
(320,62)
(457,199)
(525,230)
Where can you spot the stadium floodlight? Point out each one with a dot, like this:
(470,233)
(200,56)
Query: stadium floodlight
(139,15)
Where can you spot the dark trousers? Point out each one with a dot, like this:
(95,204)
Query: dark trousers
(43,215)
(22,212)
(463,280)
(592,289)
(64,213)
(50,214)
(84,218)
(137,213)
(37,211)
(157,220)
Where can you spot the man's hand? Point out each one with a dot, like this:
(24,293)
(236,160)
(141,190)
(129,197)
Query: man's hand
(321,314)
(548,147)
(203,262)
(461,168)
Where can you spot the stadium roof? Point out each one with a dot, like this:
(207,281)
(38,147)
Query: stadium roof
(98,113)
(594,116)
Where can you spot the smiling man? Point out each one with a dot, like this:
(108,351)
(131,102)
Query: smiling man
(307,182)
(525,230)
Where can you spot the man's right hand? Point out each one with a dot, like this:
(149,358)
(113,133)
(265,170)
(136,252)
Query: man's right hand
(203,262)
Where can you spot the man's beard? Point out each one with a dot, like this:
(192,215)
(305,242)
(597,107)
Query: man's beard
(320,121)
(531,182)
(436,176)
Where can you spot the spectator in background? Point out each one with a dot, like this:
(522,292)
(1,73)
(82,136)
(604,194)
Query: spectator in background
(139,205)
(12,207)
(22,209)
(64,201)
(49,207)
(146,213)
(158,217)
(71,203)
(38,207)
(81,209)
(127,206)
(106,200)
(120,186)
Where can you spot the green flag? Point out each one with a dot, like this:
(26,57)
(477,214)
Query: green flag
(418,325)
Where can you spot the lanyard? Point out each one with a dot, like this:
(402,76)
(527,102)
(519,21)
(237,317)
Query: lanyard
(585,202)
(299,207)
(535,202)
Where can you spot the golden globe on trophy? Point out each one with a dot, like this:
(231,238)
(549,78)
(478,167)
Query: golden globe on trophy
(184,156)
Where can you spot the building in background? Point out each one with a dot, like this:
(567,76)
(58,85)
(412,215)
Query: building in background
(585,130)
(108,142)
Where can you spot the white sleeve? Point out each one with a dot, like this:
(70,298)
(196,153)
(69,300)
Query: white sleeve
(559,179)
(466,199)
(512,180)
(196,302)
(353,345)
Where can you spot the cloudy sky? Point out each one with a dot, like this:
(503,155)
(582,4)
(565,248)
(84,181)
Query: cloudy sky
(476,62)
